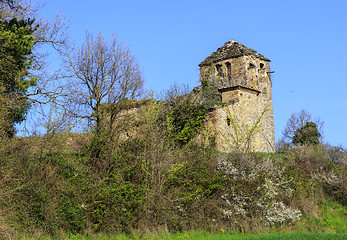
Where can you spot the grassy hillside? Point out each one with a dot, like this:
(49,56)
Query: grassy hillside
(199,235)
(57,185)
(157,175)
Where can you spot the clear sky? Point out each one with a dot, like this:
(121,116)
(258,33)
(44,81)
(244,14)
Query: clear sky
(306,41)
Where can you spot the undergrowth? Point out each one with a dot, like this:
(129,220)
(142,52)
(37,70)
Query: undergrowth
(73,185)
(201,235)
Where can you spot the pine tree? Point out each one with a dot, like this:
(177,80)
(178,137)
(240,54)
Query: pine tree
(308,134)
(16,43)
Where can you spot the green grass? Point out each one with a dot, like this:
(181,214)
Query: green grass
(331,223)
(332,219)
(334,216)
(198,235)
(285,236)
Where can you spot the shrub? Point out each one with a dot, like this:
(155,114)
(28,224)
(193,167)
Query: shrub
(152,181)
(72,215)
(308,134)
(184,120)
(257,191)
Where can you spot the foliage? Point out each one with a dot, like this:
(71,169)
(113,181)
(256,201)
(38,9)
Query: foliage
(308,134)
(185,112)
(119,193)
(51,187)
(27,48)
(16,43)
(195,235)
(210,94)
(82,184)
(192,187)
(71,214)
(184,120)
(333,216)
(253,193)
(296,122)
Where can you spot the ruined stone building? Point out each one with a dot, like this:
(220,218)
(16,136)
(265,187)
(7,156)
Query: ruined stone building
(242,114)
(243,79)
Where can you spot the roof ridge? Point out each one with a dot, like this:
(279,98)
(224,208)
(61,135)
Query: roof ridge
(231,49)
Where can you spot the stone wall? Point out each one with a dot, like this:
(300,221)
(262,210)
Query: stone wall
(129,118)
(245,85)
(247,71)
(242,79)
(246,115)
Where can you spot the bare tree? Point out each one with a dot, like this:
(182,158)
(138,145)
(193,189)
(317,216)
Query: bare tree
(298,121)
(100,72)
(56,121)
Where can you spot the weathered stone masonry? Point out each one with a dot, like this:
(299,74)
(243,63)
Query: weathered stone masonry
(243,78)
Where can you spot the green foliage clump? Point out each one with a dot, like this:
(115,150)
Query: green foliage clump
(16,43)
(184,120)
(193,186)
(119,192)
(210,94)
(71,214)
(185,113)
(308,134)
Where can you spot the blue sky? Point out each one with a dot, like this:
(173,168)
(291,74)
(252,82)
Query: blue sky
(305,41)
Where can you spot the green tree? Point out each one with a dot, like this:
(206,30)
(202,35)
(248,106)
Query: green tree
(25,80)
(16,43)
(308,134)
(295,122)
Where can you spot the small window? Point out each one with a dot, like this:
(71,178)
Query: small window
(219,70)
(251,65)
(228,65)
(261,65)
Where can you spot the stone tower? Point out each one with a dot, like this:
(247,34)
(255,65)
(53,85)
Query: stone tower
(243,78)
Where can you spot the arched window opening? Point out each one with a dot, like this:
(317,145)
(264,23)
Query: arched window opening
(219,70)
(228,65)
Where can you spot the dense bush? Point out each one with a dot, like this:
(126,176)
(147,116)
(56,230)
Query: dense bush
(184,120)
(80,184)
(148,183)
